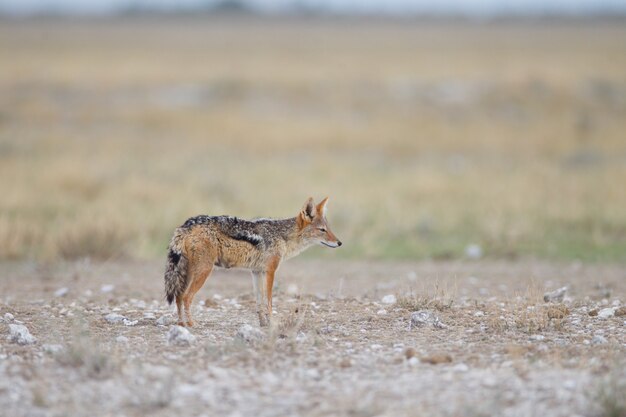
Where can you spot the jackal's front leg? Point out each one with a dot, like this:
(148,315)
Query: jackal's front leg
(260,294)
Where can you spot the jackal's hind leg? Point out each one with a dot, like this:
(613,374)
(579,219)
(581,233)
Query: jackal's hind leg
(179,308)
(261,297)
(197,281)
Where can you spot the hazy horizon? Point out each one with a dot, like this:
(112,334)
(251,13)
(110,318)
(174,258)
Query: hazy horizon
(356,7)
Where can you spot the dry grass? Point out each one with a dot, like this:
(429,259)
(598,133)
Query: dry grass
(426,137)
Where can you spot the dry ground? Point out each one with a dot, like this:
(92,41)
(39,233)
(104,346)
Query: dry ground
(335,349)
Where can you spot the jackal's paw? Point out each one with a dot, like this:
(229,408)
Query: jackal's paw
(190,323)
(181,323)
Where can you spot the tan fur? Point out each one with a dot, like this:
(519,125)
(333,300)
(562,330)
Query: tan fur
(261,245)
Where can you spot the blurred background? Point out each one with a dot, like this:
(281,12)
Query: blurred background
(440,130)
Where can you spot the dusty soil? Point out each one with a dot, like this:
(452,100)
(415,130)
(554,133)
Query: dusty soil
(335,348)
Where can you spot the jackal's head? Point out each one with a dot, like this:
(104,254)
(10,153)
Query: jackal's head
(314,226)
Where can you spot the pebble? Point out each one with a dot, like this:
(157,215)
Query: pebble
(389,299)
(599,340)
(381,312)
(555,296)
(52,349)
(474,251)
(163,320)
(605,313)
(180,336)
(426,318)
(460,367)
(479,314)
(437,358)
(8,317)
(19,334)
(61,292)
(107,288)
(249,334)
(114,318)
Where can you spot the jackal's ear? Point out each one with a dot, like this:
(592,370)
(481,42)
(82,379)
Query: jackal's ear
(307,213)
(321,207)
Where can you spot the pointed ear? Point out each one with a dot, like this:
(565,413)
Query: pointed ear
(321,207)
(307,213)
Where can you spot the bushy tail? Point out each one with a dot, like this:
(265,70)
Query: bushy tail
(175,268)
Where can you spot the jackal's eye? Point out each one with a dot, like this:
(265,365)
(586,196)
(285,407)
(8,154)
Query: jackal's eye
(321,229)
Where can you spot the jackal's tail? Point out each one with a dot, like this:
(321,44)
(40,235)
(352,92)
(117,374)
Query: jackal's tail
(176,267)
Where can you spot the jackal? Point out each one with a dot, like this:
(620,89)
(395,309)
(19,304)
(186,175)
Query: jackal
(260,245)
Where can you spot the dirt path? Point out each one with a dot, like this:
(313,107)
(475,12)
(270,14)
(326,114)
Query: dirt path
(336,348)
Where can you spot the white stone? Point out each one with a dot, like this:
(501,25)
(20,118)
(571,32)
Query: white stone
(460,367)
(425,318)
(479,314)
(19,334)
(180,336)
(381,312)
(163,320)
(605,313)
(114,318)
(292,289)
(555,296)
(52,349)
(249,334)
(8,317)
(599,340)
(107,288)
(130,322)
(61,292)
(474,251)
(389,299)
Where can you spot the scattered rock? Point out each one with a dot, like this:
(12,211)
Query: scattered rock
(460,367)
(180,336)
(114,318)
(61,292)
(479,314)
(52,349)
(8,317)
(19,334)
(345,363)
(210,303)
(389,299)
(621,311)
(163,320)
(249,334)
(425,318)
(474,251)
(381,312)
(292,289)
(606,313)
(437,358)
(555,296)
(130,322)
(599,340)
(593,312)
(410,353)
(107,288)
(414,361)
